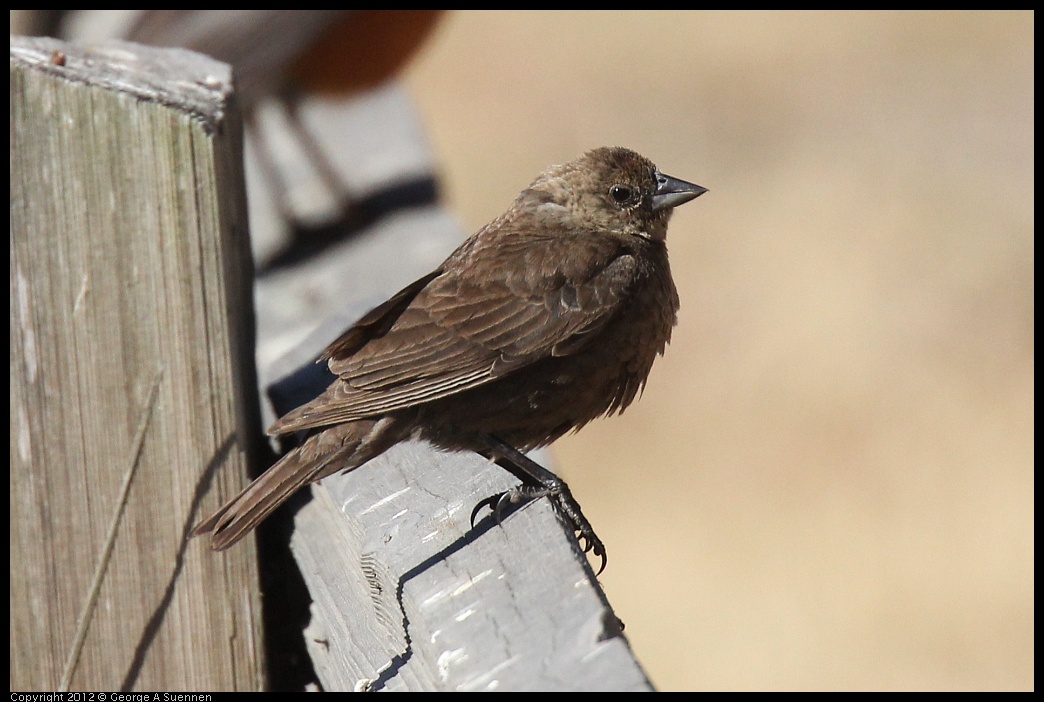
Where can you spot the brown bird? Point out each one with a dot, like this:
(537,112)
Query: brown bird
(548,317)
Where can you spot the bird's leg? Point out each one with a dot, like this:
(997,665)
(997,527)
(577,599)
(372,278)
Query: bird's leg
(537,481)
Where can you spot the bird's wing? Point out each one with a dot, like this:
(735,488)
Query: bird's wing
(448,333)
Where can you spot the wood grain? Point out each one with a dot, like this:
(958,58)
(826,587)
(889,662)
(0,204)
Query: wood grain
(130,275)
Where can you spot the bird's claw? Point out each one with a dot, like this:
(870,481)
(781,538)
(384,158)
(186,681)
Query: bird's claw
(592,544)
(491,502)
(510,497)
(569,508)
(563,503)
(502,500)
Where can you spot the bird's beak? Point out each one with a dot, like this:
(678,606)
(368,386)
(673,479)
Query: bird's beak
(671,192)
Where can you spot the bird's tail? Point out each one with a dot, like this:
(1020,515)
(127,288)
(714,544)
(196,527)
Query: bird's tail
(250,507)
(338,448)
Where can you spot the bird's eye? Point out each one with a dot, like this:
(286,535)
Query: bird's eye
(622,194)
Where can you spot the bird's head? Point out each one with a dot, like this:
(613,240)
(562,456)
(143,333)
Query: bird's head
(609,189)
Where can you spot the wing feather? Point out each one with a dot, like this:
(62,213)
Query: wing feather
(448,333)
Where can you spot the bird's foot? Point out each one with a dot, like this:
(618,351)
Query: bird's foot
(564,504)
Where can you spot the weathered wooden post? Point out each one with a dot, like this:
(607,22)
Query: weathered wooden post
(132,378)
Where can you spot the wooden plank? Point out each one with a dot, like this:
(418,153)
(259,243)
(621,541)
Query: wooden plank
(408,596)
(132,381)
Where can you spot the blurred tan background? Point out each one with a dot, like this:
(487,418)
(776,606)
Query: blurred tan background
(829,481)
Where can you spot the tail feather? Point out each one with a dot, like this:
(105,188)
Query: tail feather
(250,507)
(338,448)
